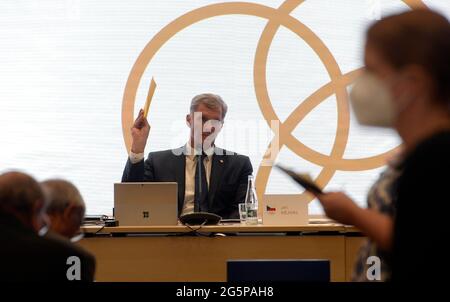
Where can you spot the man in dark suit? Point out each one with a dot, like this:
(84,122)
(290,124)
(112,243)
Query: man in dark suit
(24,254)
(216,185)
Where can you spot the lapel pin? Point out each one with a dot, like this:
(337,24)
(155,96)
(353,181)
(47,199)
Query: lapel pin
(221,161)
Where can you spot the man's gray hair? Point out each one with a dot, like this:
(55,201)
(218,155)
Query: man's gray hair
(59,194)
(211,101)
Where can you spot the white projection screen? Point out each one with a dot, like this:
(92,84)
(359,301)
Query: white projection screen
(64,97)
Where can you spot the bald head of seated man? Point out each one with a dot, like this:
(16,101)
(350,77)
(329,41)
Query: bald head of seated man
(24,254)
(65,208)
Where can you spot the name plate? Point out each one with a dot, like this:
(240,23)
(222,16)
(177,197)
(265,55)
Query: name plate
(284,209)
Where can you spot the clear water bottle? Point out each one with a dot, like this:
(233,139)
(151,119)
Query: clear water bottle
(251,202)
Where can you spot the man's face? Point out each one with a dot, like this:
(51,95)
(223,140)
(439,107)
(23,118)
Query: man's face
(205,125)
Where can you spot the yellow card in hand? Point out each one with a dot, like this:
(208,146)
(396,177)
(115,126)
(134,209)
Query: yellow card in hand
(151,91)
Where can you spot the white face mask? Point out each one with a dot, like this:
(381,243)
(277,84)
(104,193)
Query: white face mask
(372,102)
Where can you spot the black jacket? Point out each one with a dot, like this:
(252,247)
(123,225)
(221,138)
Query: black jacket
(27,257)
(227,184)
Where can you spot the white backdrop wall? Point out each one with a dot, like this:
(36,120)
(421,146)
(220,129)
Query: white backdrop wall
(64,66)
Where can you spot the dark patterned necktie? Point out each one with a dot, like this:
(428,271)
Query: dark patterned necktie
(201,186)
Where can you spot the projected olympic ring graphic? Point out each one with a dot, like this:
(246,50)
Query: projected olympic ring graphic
(337,85)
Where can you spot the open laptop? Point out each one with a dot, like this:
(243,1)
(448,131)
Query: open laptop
(146,203)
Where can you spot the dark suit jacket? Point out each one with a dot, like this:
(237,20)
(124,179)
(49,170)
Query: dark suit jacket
(27,257)
(227,184)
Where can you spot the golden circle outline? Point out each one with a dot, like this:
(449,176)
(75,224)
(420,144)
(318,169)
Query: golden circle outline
(276,18)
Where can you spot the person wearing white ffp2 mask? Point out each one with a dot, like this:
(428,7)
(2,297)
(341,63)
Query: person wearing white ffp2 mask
(406,86)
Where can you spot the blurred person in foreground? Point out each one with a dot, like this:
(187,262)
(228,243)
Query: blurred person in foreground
(25,255)
(406,86)
(65,207)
